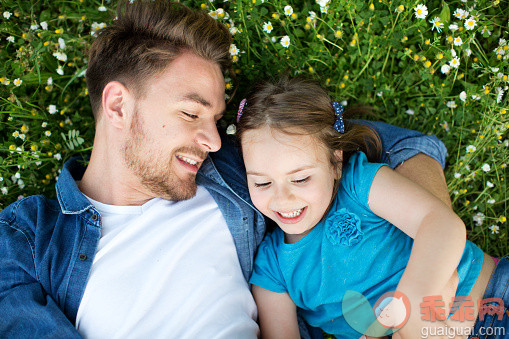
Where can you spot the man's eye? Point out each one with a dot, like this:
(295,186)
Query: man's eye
(300,181)
(192,116)
(263,184)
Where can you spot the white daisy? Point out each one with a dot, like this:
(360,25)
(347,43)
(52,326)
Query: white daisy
(61,43)
(421,11)
(60,56)
(494,229)
(10,39)
(490,184)
(458,41)
(498,90)
(102,9)
(234,50)
(44,25)
(470,24)
(288,10)
(52,109)
(47,133)
(451,104)
(463,96)
(445,69)
(460,13)
(479,218)
(7,15)
(410,112)
(455,62)
(471,148)
(18,82)
(267,27)
(453,27)
(436,24)
(285,41)
(231,129)
(213,14)
(486,168)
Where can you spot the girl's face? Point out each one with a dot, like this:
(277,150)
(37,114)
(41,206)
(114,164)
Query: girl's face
(290,178)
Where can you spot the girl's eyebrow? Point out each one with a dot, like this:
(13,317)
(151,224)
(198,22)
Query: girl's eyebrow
(291,172)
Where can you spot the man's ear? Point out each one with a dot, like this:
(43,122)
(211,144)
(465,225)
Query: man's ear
(338,155)
(116,104)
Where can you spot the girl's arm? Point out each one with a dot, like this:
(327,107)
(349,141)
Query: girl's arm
(439,235)
(277,314)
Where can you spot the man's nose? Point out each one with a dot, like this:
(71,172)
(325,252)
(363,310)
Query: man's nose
(208,137)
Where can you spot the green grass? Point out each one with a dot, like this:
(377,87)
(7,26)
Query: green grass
(376,53)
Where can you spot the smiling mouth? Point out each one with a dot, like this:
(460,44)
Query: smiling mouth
(188,163)
(293,214)
(291,217)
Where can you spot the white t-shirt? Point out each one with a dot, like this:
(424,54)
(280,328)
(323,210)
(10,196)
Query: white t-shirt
(166,270)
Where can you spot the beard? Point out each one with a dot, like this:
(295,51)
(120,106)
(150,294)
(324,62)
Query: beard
(153,167)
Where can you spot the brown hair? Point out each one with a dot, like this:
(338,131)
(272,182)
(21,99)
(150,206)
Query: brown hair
(146,36)
(302,107)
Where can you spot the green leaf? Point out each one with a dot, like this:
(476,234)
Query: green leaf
(445,14)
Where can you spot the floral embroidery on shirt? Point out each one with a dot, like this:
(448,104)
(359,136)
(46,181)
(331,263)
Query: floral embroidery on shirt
(344,228)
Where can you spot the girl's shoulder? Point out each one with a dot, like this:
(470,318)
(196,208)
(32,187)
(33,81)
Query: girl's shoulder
(357,176)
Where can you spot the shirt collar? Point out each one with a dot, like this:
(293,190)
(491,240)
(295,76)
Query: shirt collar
(70,198)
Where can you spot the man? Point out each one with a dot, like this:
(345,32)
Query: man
(157,235)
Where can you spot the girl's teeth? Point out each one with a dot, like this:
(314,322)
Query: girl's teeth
(189,161)
(293,214)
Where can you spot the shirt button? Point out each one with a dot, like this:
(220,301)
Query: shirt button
(95,217)
(83,257)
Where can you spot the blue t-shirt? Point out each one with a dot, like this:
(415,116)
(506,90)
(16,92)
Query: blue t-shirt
(351,249)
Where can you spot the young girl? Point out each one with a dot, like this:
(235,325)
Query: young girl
(351,231)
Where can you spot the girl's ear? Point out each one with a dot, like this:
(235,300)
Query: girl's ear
(338,155)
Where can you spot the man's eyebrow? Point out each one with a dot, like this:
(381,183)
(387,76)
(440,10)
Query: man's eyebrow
(291,172)
(195,97)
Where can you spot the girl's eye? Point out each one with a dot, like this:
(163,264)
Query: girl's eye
(263,184)
(300,181)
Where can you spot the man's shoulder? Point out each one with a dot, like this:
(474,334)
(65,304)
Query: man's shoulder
(28,213)
(229,163)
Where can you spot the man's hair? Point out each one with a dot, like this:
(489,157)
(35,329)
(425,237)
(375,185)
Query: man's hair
(146,36)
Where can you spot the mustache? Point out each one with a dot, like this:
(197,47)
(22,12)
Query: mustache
(192,151)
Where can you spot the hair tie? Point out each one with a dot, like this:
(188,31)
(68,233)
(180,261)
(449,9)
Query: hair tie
(339,125)
(241,109)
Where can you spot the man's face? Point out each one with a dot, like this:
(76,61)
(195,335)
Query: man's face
(173,127)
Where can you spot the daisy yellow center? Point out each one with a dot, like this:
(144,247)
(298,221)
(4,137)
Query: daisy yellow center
(419,11)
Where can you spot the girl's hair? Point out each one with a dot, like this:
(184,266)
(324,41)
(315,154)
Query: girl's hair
(302,107)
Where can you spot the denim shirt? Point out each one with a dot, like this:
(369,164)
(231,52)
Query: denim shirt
(47,246)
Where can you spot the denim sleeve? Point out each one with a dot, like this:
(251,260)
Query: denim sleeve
(26,310)
(400,144)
